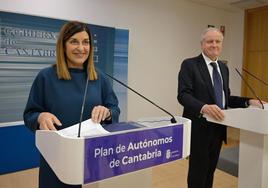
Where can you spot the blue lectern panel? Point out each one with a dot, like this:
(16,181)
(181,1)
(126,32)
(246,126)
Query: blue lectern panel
(117,154)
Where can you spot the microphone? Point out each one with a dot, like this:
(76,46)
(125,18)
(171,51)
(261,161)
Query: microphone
(255,77)
(82,108)
(252,91)
(172,120)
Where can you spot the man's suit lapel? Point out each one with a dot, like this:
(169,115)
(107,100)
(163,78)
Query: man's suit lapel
(205,74)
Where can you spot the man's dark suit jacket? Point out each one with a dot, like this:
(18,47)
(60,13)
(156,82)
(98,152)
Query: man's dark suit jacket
(196,89)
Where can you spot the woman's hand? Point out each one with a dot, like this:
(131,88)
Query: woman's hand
(47,121)
(100,113)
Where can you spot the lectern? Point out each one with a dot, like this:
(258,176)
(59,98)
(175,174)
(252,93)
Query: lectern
(253,147)
(123,153)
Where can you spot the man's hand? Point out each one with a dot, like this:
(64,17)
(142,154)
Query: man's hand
(213,111)
(255,102)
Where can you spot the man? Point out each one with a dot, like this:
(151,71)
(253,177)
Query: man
(204,89)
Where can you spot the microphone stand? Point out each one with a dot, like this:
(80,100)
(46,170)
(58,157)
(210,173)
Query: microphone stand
(82,108)
(172,120)
(252,91)
(255,77)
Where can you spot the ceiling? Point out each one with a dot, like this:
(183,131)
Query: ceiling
(232,5)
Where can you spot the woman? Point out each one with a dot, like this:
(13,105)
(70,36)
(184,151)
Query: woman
(56,95)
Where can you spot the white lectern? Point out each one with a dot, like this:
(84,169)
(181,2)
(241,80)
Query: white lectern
(253,147)
(119,155)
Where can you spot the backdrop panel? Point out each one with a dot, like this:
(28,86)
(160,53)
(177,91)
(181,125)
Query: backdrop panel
(27,44)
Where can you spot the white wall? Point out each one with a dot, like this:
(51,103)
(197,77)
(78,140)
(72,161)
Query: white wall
(162,34)
(236,50)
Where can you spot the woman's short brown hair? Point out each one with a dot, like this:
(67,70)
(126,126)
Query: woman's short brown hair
(66,32)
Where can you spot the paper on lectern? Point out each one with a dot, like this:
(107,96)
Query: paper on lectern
(88,128)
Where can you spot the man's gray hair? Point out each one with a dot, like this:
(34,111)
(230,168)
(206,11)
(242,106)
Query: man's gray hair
(210,29)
